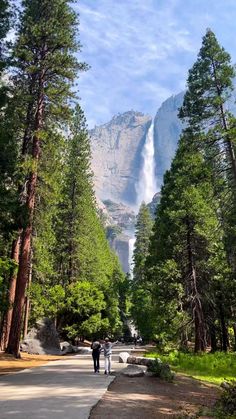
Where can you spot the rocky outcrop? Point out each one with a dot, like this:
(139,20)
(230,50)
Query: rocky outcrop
(116,156)
(153,204)
(121,215)
(42,339)
(121,246)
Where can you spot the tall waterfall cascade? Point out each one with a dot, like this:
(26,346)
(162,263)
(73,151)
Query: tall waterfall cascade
(131,252)
(146,187)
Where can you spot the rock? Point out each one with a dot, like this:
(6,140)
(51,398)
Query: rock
(66,347)
(42,339)
(153,204)
(140,360)
(123,356)
(167,130)
(133,371)
(83,350)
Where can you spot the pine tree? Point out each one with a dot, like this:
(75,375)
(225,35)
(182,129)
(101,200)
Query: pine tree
(141,249)
(186,244)
(8,162)
(209,86)
(45,67)
(205,110)
(141,291)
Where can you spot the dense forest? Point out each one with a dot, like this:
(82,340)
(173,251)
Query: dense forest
(55,259)
(185,265)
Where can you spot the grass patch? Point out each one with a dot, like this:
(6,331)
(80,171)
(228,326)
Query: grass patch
(213,368)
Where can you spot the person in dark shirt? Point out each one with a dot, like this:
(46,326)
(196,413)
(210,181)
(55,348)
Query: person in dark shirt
(96,348)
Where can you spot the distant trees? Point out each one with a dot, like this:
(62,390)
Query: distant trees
(141,293)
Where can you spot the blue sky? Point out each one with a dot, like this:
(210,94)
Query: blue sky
(140,50)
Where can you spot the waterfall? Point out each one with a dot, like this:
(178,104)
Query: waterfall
(131,251)
(146,186)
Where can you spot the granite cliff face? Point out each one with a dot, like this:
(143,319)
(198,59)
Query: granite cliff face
(167,130)
(116,156)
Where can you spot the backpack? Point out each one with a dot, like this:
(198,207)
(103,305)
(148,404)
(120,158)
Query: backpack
(95,345)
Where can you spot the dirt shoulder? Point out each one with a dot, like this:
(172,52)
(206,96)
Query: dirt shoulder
(9,364)
(151,398)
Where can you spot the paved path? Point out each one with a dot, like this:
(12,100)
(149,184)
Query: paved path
(65,389)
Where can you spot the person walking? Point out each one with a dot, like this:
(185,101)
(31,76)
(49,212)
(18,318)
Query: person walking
(96,349)
(107,349)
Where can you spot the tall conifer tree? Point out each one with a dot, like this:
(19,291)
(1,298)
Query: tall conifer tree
(45,70)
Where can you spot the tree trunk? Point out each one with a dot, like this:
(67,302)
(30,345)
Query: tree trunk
(213,338)
(234,329)
(71,244)
(7,317)
(24,261)
(196,305)
(27,303)
(224,331)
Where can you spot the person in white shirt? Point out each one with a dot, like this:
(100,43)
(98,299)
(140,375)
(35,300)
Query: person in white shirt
(107,349)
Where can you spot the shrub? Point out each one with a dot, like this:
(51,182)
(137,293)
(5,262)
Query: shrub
(226,406)
(161,370)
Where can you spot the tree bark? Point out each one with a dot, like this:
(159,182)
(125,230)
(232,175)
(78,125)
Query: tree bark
(234,329)
(7,317)
(27,303)
(213,338)
(196,304)
(224,331)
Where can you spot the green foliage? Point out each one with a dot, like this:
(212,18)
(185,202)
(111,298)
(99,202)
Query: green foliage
(86,311)
(7,268)
(141,309)
(112,231)
(143,231)
(161,370)
(46,301)
(4,28)
(210,367)
(226,406)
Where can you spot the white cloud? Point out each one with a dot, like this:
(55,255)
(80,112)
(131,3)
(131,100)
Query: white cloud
(140,51)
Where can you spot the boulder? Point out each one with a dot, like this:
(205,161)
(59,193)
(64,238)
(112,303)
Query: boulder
(123,356)
(66,348)
(83,350)
(133,371)
(140,360)
(42,339)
